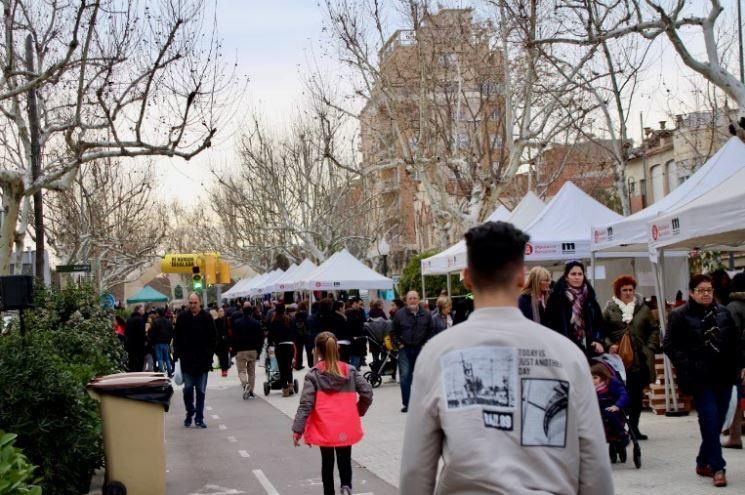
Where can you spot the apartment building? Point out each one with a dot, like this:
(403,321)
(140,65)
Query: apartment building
(433,120)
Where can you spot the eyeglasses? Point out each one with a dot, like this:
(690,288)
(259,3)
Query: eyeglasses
(699,290)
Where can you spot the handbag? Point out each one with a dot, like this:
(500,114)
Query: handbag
(626,349)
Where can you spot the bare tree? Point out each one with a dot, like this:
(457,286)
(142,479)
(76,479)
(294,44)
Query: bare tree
(297,193)
(460,104)
(110,218)
(111,78)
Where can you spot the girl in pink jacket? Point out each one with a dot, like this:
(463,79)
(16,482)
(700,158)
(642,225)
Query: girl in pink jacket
(330,410)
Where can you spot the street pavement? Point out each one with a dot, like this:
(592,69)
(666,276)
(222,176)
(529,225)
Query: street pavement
(247,449)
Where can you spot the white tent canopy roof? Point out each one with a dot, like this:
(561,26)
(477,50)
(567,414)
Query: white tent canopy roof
(714,220)
(261,289)
(303,270)
(526,210)
(562,230)
(275,286)
(246,289)
(442,262)
(231,294)
(631,233)
(342,271)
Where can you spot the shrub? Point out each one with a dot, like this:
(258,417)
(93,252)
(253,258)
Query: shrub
(70,339)
(16,473)
(411,279)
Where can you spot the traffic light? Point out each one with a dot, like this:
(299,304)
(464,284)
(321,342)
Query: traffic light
(196,279)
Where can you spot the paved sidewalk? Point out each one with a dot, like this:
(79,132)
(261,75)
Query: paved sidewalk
(667,458)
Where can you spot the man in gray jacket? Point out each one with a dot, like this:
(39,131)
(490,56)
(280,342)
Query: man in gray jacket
(509,404)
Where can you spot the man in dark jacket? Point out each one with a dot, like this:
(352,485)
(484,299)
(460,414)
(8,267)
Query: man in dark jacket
(194,344)
(412,327)
(247,341)
(161,333)
(705,347)
(135,340)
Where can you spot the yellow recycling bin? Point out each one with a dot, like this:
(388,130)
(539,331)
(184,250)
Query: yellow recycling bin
(133,407)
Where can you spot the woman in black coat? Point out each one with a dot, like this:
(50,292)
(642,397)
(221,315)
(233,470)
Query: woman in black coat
(282,335)
(706,350)
(573,310)
(223,341)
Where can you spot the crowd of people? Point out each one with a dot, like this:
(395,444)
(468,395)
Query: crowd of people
(703,338)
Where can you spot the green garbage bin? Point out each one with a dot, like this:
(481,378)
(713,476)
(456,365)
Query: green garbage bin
(133,407)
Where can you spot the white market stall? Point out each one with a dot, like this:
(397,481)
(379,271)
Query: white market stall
(303,270)
(275,286)
(237,288)
(342,271)
(258,290)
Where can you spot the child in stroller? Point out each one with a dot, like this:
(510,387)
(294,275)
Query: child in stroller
(381,347)
(613,399)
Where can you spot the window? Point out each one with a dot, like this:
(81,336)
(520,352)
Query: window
(672,175)
(658,183)
(632,186)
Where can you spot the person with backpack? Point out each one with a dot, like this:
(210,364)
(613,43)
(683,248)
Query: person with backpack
(329,412)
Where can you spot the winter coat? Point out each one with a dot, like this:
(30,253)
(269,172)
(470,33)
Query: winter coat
(335,323)
(221,327)
(736,308)
(135,334)
(161,331)
(282,330)
(329,411)
(411,329)
(525,303)
(194,342)
(247,334)
(689,329)
(300,320)
(644,331)
(439,323)
(615,395)
(559,314)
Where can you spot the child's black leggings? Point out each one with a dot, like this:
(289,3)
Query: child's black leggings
(343,459)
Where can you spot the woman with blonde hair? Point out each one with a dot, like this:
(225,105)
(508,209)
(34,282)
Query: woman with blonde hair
(532,300)
(441,319)
(335,396)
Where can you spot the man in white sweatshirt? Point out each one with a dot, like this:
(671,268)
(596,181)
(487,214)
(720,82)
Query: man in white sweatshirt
(508,404)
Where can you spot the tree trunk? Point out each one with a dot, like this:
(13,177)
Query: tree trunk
(12,197)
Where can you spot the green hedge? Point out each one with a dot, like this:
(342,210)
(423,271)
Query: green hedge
(411,279)
(69,340)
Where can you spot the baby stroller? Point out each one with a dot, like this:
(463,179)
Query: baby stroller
(384,360)
(272,372)
(616,425)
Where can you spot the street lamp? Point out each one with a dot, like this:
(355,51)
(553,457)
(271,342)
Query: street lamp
(384,249)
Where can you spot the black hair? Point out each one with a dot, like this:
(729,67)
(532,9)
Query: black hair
(496,250)
(738,282)
(160,311)
(571,264)
(698,279)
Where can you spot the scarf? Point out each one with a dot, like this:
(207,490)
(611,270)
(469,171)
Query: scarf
(577,298)
(537,303)
(627,310)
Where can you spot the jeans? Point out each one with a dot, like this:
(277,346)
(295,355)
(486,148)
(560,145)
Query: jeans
(355,361)
(343,459)
(711,404)
(406,361)
(163,358)
(198,381)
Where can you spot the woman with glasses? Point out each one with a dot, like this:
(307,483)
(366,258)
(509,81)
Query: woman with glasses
(705,348)
(625,313)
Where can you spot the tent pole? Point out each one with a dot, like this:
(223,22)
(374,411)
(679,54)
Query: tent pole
(592,263)
(671,399)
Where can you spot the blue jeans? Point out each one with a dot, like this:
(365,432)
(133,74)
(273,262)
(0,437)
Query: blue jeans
(200,383)
(355,361)
(163,358)
(711,404)
(406,361)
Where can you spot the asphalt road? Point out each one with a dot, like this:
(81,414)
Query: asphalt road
(247,448)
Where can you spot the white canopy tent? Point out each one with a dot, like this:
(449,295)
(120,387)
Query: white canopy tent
(261,288)
(343,271)
(275,286)
(245,290)
(441,263)
(303,270)
(233,292)
(630,233)
(715,220)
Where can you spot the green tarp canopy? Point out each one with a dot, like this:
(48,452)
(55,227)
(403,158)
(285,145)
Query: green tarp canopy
(147,294)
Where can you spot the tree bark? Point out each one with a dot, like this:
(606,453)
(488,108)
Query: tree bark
(33,120)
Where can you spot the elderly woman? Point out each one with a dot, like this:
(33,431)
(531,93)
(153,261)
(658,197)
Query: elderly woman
(627,312)
(573,310)
(441,319)
(532,300)
(705,347)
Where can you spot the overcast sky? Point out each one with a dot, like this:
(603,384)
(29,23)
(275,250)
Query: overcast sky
(275,42)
